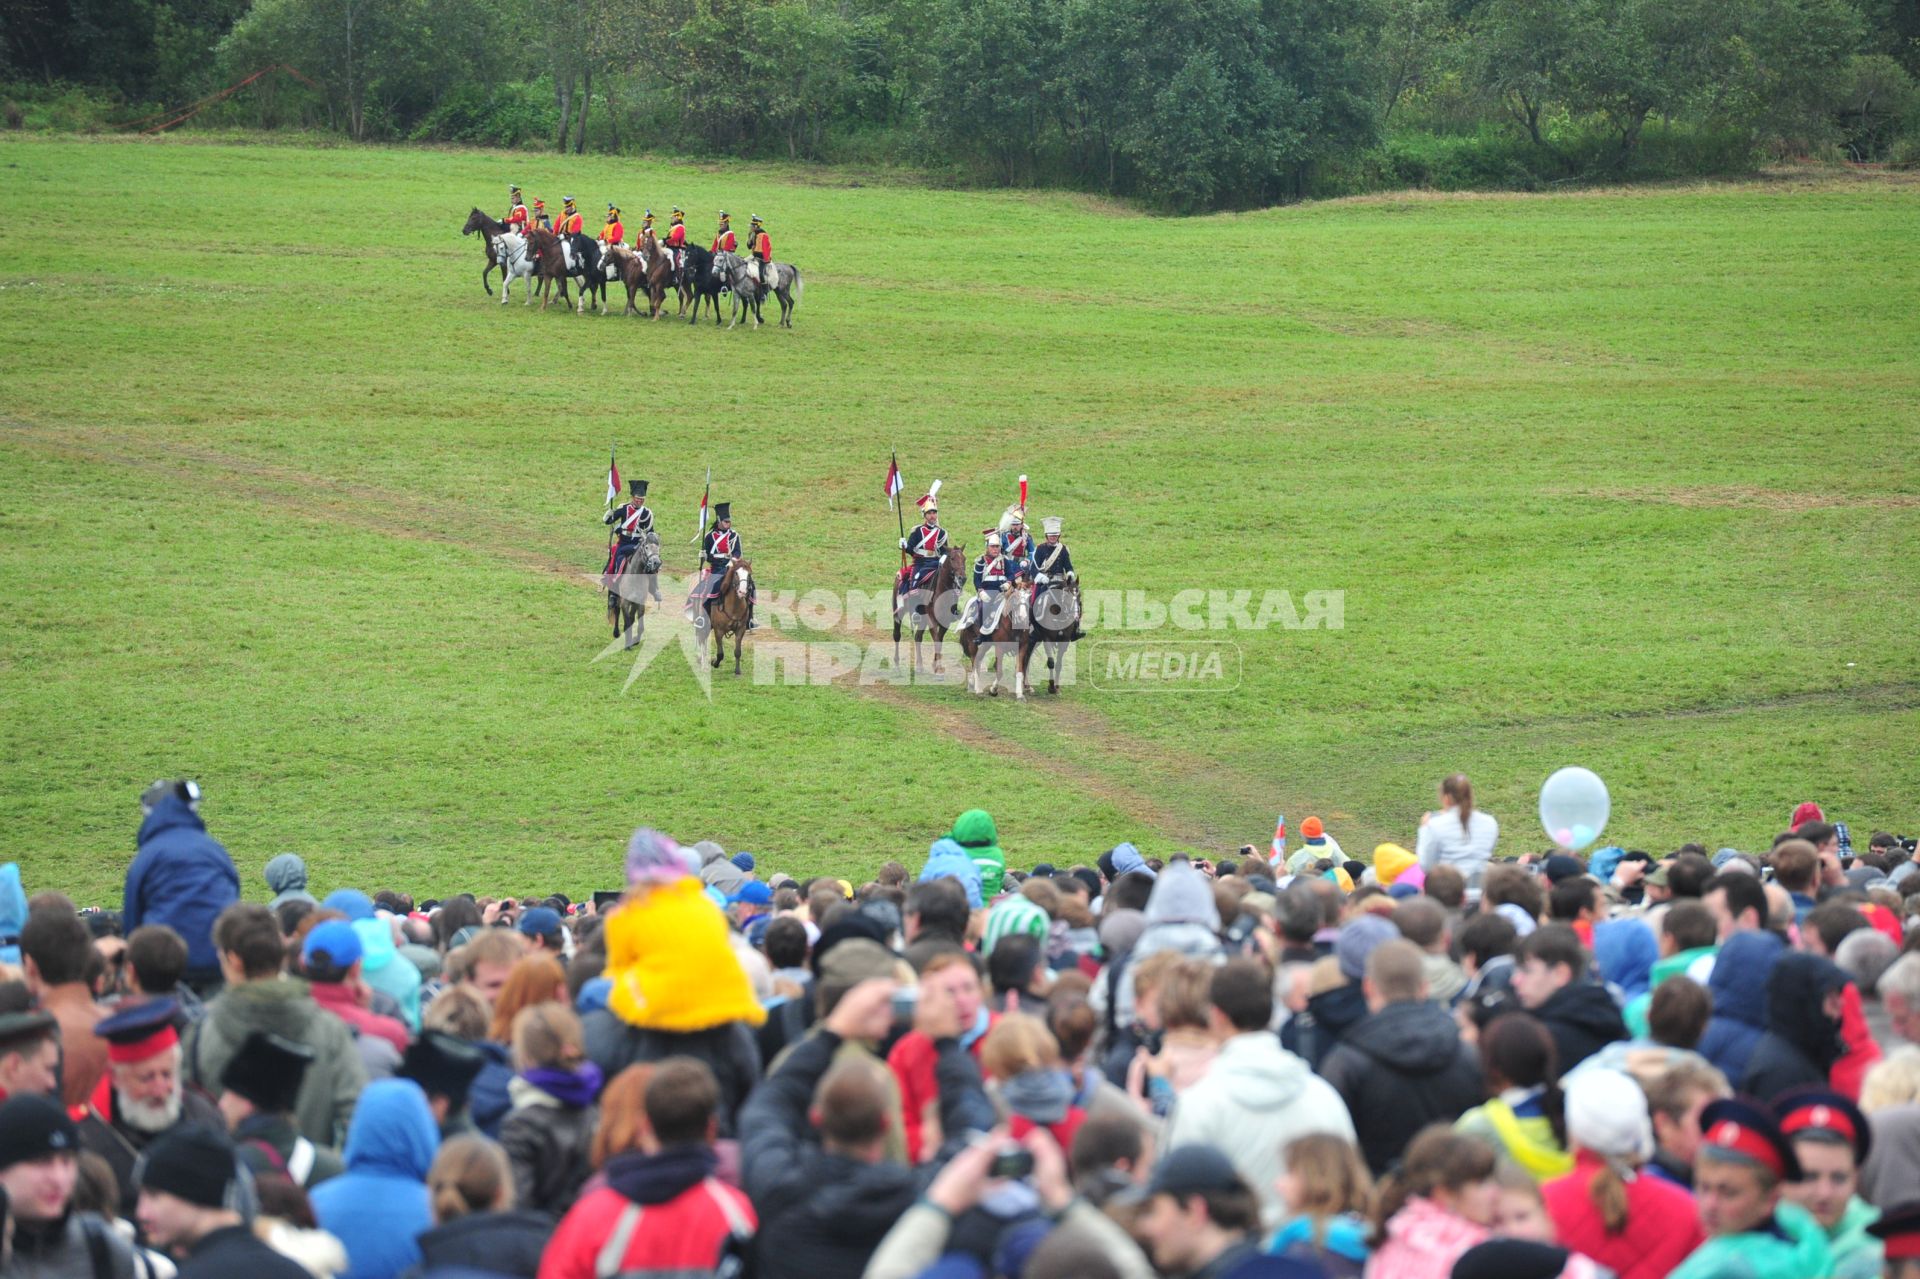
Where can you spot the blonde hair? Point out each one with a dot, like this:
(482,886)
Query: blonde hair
(1186,995)
(547,1035)
(1016,1044)
(536,979)
(457,1010)
(1894,1080)
(1333,1179)
(469,1175)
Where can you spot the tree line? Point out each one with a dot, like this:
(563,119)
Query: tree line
(1184,104)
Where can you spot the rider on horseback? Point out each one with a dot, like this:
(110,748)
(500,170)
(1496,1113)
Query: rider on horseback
(993,580)
(926,544)
(723,239)
(1013,531)
(613,232)
(759,249)
(1053,566)
(631,521)
(720,549)
(570,220)
(677,236)
(517,219)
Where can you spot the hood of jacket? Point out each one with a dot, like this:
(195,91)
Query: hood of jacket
(1423,1226)
(1740,972)
(1182,896)
(1796,990)
(946,859)
(1587,1006)
(13,912)
(1339,1008)
(1762,1254)
(393,1131)
(169,813)
(1626,951)
(858,1203)
(287,873)
(661,1177)
(1412,1038)
(282,1006)
(480,1237)
(1257,1072)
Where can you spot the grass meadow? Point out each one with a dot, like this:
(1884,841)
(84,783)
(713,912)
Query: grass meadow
(1619,478)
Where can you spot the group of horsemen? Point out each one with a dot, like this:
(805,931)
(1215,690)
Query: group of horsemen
(1012,562)
(759,249)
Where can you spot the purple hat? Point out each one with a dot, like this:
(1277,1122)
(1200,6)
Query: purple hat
(1359,939)
(653,857)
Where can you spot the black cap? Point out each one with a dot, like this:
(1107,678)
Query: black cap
(193,1162)
(1564,866)
(637,487)
(1188,1170)
(267,1071)
(443,1065)
(1043,871)
(33,1127)
(1511,1259)
(18,1030)
(1899,1226)
(723,510)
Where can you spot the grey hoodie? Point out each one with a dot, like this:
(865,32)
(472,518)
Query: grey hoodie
(1181,917)
(287,877)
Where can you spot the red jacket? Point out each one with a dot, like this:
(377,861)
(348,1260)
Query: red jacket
(336,998)
(569,224)
(684,1235)
(1019,1126)
(912,1061)
(761,246)
(677,235)
(1851,1070)
(1662,1223)
(723,243)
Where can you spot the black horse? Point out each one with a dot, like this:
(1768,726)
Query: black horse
(586,271)
(488,228)
(698,274)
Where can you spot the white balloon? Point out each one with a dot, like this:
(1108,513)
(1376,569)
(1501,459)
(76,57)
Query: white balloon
(1574,807)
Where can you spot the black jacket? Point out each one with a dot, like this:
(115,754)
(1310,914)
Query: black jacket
(823,1214)
(234,1252)
(550,1149)
(729,1051)
(1329,1016)
(1582,1018)
(121,1145)
(1802,1042)
(500,1243)
(1399,1070)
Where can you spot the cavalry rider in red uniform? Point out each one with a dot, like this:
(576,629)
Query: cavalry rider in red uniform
(613,232)
(926,544)
(1019,542)
(570,220)
(720,548)
(517,219)
(677,236)
(631,521)
(540,218)
(723,239)
(759,249)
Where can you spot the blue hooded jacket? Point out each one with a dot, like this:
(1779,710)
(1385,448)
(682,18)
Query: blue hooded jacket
(1739,990)
(946,859)
(1626,951)
(380,1204)
(180,877)
(13,912)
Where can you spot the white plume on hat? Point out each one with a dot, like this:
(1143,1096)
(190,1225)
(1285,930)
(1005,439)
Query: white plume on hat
(1607,1113)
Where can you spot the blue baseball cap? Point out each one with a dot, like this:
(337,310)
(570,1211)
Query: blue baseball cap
(541,921)
(337,940)
(752,893)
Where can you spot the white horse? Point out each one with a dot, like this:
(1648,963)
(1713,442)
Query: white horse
(510,248)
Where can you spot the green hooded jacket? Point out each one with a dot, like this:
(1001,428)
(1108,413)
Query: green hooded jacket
(1803,1254)
(974,831)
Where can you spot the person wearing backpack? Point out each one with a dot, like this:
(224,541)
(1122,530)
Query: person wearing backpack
(661,1210)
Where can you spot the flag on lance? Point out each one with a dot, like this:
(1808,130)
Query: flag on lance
(613,478)
(701,529)
(894,483)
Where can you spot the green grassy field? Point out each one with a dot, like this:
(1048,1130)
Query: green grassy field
(1624,479)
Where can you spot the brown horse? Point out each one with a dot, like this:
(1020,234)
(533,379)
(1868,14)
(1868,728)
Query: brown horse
(488,228)
(931,608)
(549,267)
(631,271)
(727,613)
(627,590)
(1008,635)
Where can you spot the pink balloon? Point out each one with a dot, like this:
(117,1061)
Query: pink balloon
(1563,837)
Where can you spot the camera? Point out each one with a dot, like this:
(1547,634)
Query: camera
(905,1001)
(1012,1164)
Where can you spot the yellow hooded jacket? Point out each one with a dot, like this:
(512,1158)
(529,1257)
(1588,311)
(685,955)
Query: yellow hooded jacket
(671,964)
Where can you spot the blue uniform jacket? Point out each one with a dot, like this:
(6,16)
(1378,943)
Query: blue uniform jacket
(1055,561)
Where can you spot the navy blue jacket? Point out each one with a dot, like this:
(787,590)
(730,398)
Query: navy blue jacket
(180,877)
(1739,990)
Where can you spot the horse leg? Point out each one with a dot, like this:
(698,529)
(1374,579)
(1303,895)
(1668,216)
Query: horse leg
(739,638)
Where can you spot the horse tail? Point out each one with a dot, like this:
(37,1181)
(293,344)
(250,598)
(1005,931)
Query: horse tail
(799,286)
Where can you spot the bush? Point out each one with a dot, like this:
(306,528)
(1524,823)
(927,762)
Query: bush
(511,115)
(64,108)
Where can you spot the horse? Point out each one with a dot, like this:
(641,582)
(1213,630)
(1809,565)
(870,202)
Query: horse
(782,279)
(1055,616)
(744,281)
(629,268)
(628,589)
(488,228)
(659,274)
(516,263)
(586,268)
(704,281)
(549,267)
(726,613)
(930,608)
(1015,618)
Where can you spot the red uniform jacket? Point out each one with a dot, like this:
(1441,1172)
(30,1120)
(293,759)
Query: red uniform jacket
(724,243)
(763,247)
(517,220)
(677,236)
(569,224)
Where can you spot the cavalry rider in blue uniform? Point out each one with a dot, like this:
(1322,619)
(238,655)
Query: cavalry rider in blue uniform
(719,549)
(1053,566)
(993,578)
(631,521)
(1016,541)
(926,544)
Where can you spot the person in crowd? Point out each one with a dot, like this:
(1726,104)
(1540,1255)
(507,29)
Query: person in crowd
(330,960)
(445,1066)
(157,966)
(623,1126)
(180,876)
(1636,1225)
(1899,988)
(380,1205)
(939,907)
(1831,1140)
(1625,951)
(1523,1116)
(1423,921)
(1171,1002)
(1738,902)
(1438,1203)
(666,1203)
(1021,1061)
(1552,984)
(1487,944)
(1688,942)
(1459,836)
(476,1226)
(48,1235)
(1404,1065)
(258,1091)
(1074,1024)
(1521,1212)
(29,1054)
(974,831)
(1338,1000)
(1805,994)
(1199,1217)
(1182,917)
(195,1202)
(814,1137)
(1326,1193)
(261,997)
(381,965)
(286,877)
(550,1128)
(537,978)
(1676,1098)
(1743,1165)
(146,1096)
(1257,1096)
(56,949)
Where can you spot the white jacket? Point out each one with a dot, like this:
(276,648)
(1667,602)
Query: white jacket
(1443,843)
(1254,1099)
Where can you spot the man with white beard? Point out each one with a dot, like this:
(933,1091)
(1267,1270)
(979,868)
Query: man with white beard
(142,1097)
